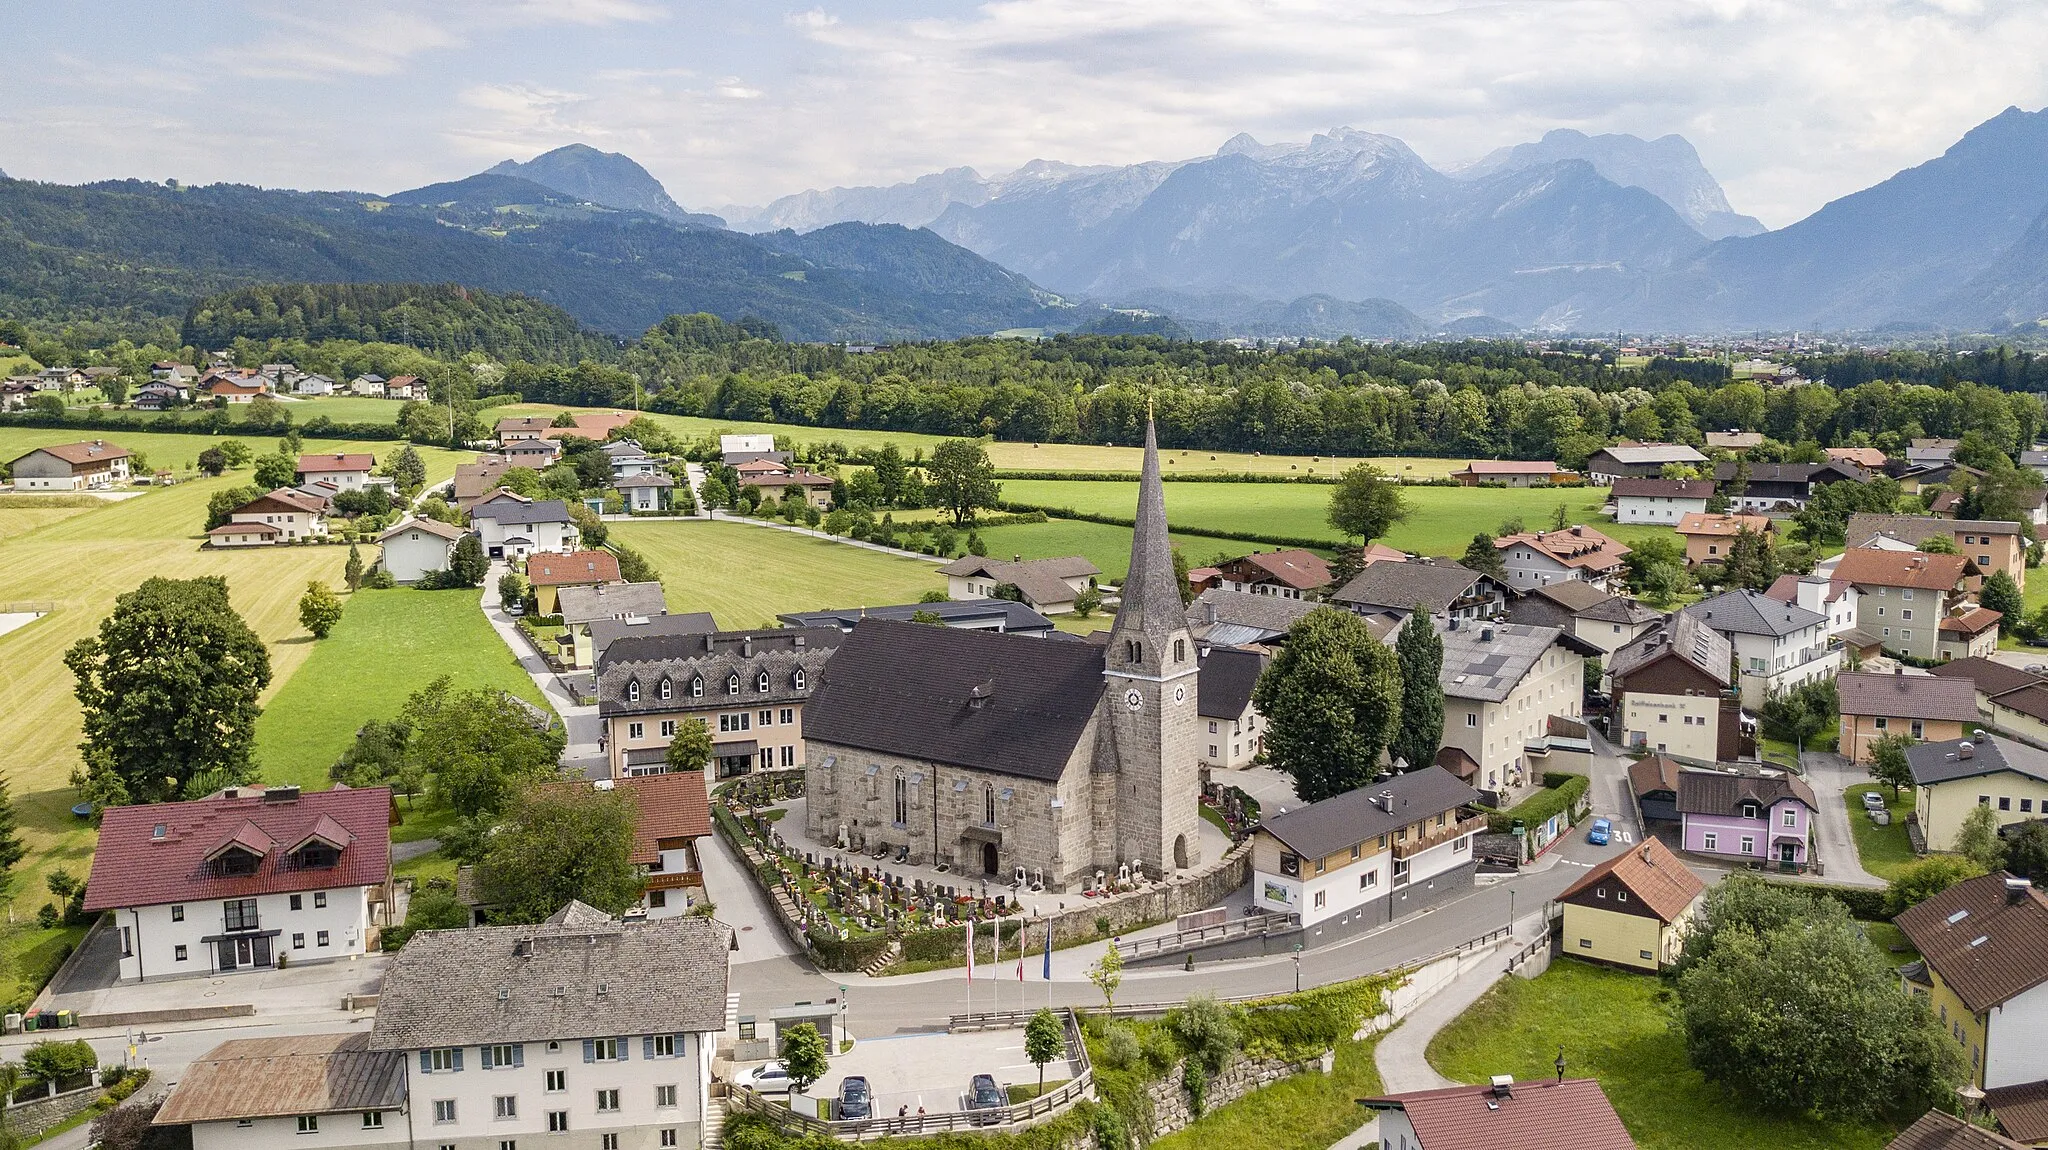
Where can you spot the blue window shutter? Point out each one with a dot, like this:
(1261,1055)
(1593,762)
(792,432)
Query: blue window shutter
(483,1058)
(518,1054)
(458,1058)
(647,1046)
(625,1051)
(425,1062)
(590,1050)
(682,1042)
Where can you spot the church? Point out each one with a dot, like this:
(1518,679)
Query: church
(994,753)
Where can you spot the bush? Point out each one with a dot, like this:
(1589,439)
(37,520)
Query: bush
(1120,1049)
(1539,807)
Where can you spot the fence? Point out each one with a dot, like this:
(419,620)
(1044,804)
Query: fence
(1253,926)
(1027,1113)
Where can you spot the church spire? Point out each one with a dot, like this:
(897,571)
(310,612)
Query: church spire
(1151,599)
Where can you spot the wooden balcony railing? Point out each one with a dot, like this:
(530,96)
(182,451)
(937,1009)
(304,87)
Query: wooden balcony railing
(1438,836)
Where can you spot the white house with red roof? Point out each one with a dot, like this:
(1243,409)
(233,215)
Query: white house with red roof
(238,880)
(346,470)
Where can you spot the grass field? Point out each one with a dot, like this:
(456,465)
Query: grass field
(1304,1112)
(79,559)
(1885,851)
(1442,520)
(746,575)
(1612,1026)
(1108,546)
(388,645)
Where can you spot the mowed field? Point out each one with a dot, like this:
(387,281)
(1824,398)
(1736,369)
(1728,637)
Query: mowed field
(1109,547)
(1442,520)
(78,559)
(388,645)
(747,575)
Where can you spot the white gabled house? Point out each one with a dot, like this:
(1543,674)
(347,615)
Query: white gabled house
(511,526)
(413,547)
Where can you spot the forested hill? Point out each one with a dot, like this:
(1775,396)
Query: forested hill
(447,319)
(137,254)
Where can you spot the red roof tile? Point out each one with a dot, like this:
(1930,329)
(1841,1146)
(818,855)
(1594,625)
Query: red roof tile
(573,568)
(1569,1115)
(675,805)
(1663,883)
(336,461)
(135,867)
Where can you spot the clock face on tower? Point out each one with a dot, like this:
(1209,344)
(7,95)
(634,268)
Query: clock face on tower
(1133,699)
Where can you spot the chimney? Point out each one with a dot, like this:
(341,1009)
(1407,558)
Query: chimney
(1016,558)
(1966,751)
(281,794)
(1977,735)
(746,646)
(1899,671)
(2015,889)
(1503,1086)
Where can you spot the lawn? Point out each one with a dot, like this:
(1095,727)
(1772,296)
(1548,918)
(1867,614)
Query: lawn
(1884,850)
(388,645)
(1304,1112)
(747,575)
(78,560)
(1109,547)
(1442,520)
(1612,1025)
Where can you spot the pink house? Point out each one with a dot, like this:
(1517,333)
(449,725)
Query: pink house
(1746,817)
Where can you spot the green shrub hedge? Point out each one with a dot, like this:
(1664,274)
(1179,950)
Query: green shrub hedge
(1539,807)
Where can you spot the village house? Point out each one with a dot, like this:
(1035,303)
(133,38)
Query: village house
(518,428)
(404,387)
(1607,622)
(1708,537)
(628,458)
(604,631)
(736,450)
(156,397)
(1993,545)
(1289,574)
(1759,817)
(1653,784)
(1930,452)
(314,385)
(1639,461)
(1778,647)
(1219,618)
(581,1030)
(1869,459)
(1984,971)
(228,390)
(511,526)
(345,471)
(1902,596)
(548,574)
(236,880)
(2020,707)
(1003,755)
(1735,441)
(414,547)
(1989,679)
(1924,708)
(1672,693)
(1940,1130)
(15,394)
(1223,701)
(1506,1115)
(1502,682)
(1536,558)
(672,815)
(815,490)
(1370,855)
(1950,779)
(582,605)
(91,466)
(369,385)
(330,1090)
(1662,502)
(1001,615)
(477,481)
(290,514)
(1633,910)
(1969,631)
(1511,473)
(1824,596)
(1917,480)
(750,688)
(1781,486)
(651,492)
(592,425)
(1047,586)
(1445,590)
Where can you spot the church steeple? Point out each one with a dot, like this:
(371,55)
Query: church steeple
(1152,608)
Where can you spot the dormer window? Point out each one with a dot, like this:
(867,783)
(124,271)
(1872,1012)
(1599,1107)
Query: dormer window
(666,688)
(697,687)
(315,855)
(236,862)
(761,682)
(797,680)
(633,690)
(1749,810)
(732,684)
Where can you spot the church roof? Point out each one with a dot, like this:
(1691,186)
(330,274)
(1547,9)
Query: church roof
(1011,704)
(1151,603)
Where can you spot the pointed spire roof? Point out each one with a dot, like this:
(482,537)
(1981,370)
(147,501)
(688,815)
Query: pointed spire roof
(1151,601)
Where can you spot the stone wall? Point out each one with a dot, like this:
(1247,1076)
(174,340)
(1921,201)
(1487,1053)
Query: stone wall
(1172,1111)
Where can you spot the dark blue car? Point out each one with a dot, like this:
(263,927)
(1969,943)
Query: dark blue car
(854,1099)
(1601,832)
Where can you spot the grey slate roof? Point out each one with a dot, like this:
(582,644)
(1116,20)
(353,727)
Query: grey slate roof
(1016,617)
(1353,817)
(554,981)
(1652,453)
(1685,636)
(1754,613)
(1223,687)
(604,631)
(1615,608)
(1722,793)
(1261,617)
(1933,763)
(1574,595)
(1004,703)
(1484,661)
(587,604)
(511,513)
(716,657)
(1435,584)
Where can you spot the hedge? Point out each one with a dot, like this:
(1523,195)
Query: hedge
(206,423)
(1539,807)
(1866,903)
(1131,476)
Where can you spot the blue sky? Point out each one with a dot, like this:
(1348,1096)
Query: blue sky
(1790,102)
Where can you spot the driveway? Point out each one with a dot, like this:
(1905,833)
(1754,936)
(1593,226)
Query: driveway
(581,722)
(1831,775)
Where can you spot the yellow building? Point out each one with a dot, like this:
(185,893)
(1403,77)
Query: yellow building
(1954,777)
(1984,972)
(1632,910)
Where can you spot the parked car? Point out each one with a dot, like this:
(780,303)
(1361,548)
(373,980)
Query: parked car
(855,1102)
(515,609)
(984,1094)
(1873,801)
(1601,832)
(2036,641)
(768,1078)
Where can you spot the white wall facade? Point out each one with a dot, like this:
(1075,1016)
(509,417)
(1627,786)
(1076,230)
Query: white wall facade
(1773,665)
(1232,744)
(413,553)
(1683,725)
(558,536)
(1903,618)
(294,524)
(639,1120)
(1528,567)
(1661,510)
(336,1132)
(149,937)
(2013,1050)
(1494,733)
(343,480)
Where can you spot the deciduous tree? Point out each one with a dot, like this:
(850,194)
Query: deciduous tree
(1888,762)
(274,471)
(466,564)
(961,480)
(319,609)
(1332,699)
(407,469)
(1365,503)
(803,1055)
(480,745)
(2001,593)
(1044,1040)
(690,750)
(1920,881)
(1978,839)
(557,843)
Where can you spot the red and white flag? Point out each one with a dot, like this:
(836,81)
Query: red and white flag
(970,950)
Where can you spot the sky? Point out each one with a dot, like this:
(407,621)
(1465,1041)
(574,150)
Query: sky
(1790,103)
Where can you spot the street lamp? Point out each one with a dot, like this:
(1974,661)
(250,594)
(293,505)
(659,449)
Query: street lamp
(1297,968)
(1511,912)
(843,1032)
(1972,1098)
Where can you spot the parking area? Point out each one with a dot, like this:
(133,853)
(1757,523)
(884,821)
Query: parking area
(89,985)
(930,1072)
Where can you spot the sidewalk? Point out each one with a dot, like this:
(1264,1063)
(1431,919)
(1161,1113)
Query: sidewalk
(580,722)
(1400,1055)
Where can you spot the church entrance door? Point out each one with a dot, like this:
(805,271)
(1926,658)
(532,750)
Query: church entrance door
(1180,852)
(988,858)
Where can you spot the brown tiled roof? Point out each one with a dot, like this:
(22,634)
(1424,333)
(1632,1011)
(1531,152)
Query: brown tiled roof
(1907,696)
(1917,529)
(575,567)
(1937,1130)
(524,423)
(280,1077)
(430,526)
(1708,523)
(97,451)
(1975,621)
(1860,456)
(1988,946)
(1651,873)
(1653,773)
(591,425)
(2030,700)
(1545,1115)
(674,805)
(2022,1110)
(1574,547)
(1916,569)
(1991,676)
(1667,488)
(1302,570)
(1573,595)
(1511,467)
(1721,793)
(290,497)
(337,461)
(246,528)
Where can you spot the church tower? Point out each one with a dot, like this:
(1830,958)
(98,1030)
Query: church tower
(1148,773)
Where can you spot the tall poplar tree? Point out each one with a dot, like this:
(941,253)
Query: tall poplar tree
(1420,652)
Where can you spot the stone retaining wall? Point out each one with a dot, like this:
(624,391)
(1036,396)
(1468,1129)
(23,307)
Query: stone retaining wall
(1172,1111)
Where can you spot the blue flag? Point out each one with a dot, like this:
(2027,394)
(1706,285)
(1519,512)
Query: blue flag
(1048,952)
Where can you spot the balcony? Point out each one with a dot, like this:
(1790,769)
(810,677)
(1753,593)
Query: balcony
(1468,824)
(675,880)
